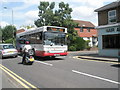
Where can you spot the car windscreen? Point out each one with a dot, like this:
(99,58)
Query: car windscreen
(8,46)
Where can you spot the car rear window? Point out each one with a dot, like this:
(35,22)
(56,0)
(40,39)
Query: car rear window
(8,46)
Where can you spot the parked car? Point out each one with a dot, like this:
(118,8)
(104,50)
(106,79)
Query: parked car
(7,50)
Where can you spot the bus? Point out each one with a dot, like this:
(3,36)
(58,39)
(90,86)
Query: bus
(45,41)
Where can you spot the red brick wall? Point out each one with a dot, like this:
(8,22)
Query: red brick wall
(85,33)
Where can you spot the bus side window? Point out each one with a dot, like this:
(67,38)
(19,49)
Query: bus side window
(21,36)
(38,38)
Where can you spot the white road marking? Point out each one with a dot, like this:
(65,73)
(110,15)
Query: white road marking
(89,75)
(44,63)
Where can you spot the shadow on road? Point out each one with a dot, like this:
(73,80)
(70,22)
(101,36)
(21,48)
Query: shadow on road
(116,65)
(20,63)
(24,64)
(48,58)
(8,58)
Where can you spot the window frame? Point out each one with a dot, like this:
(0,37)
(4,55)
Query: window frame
(81,30)
(88,30)
(109,17)
(111,41)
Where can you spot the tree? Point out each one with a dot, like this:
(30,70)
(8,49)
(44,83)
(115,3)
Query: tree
(45,14)
(0,34)
(61,17)
(49,16)
(8,32)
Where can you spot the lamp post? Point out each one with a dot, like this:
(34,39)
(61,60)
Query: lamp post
(12,21)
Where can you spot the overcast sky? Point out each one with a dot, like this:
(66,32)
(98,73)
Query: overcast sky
(26,11)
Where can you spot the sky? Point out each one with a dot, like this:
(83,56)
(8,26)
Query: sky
(25,12)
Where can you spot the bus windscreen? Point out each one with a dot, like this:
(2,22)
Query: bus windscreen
(52,29)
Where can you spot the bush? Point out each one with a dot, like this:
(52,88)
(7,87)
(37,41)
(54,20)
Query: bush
(72,48)
(88,47)
(9,40)
(78,44)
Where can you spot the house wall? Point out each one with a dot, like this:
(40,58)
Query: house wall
(118,13)
(106,29)
(85,33)
(102,51)
(103,16)
(88,35)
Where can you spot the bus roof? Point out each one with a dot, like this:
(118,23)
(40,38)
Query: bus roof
(35,30)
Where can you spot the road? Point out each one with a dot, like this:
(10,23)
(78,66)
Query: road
(67,72)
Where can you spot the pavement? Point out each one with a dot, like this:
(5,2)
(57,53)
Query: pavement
(102,58)
(96,56)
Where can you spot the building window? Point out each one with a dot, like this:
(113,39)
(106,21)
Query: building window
(81,30)
(112,16)
(88,38)
(111,41)
(88,30)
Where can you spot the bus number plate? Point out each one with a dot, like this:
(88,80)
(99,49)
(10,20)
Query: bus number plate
(56,54)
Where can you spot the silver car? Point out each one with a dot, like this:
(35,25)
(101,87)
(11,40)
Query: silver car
(7,50)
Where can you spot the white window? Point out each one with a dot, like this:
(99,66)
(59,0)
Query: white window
(81,30)
(88,30)
(112,16)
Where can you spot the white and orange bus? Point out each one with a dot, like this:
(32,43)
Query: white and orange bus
(45,40)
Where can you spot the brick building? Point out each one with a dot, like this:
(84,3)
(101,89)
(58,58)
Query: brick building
(20,30)
(87,31)
(109,29)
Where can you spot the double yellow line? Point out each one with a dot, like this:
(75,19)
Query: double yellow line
(20,80)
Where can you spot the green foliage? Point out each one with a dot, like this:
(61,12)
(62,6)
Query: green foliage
(72,48)
(80,44)
(0,35)
(8,32)
(61,17)
(9,40)
(0,31)
(87,45)
(46,14)
(49,16)
(77,44)
(27,27)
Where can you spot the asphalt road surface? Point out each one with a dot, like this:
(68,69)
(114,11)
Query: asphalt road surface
(65,72)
